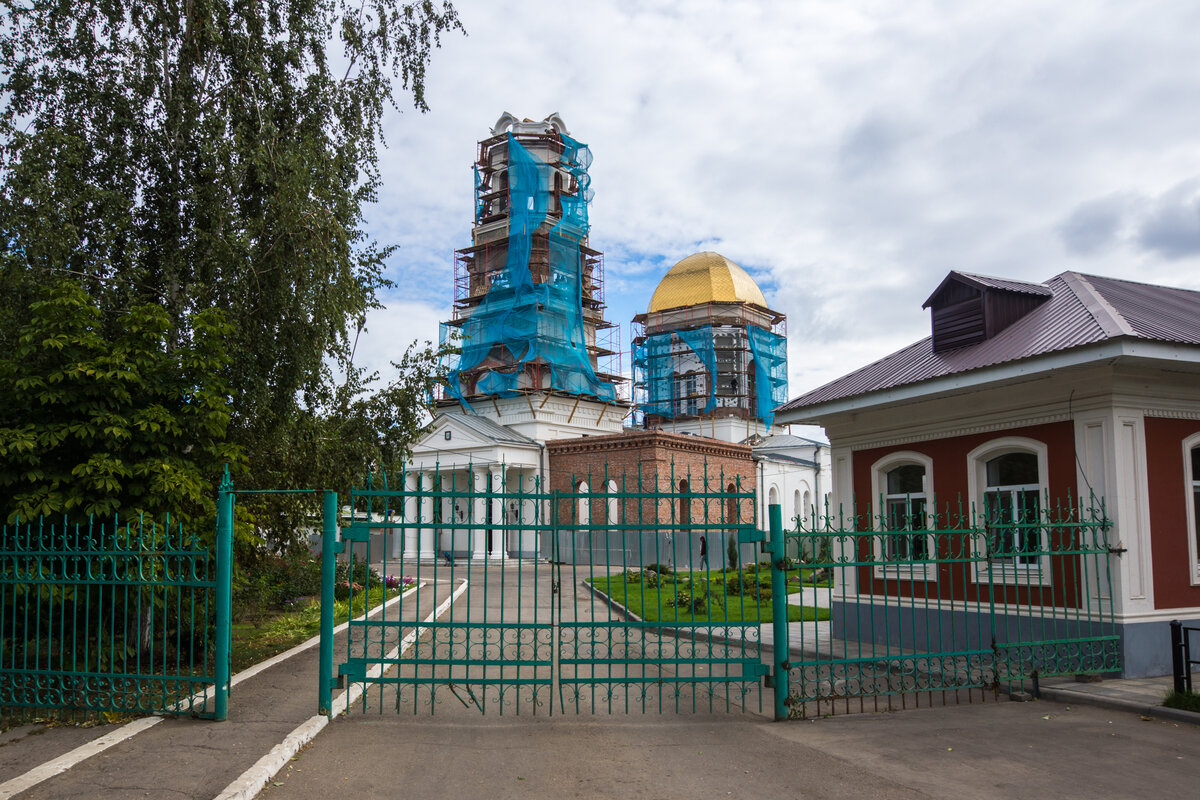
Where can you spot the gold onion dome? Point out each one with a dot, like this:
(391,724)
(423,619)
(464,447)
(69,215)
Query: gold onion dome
(705,278)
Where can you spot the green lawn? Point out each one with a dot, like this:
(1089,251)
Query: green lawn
(670,598)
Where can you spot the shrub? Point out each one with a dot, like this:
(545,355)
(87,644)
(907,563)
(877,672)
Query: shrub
(749,584)
(688,600)
(661,569)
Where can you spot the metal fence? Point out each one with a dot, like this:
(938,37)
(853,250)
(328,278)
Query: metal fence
(116,617)
(525,600)
(938,608)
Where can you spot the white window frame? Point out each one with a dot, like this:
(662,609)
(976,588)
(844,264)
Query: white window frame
(879,472)
(583,513)
(611,507)
(1007,570)
(1191,485)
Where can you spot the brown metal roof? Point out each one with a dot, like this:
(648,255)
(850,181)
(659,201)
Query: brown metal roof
(1082,310)
(988,282)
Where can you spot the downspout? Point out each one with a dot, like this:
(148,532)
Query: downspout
(544,469)
(819,499)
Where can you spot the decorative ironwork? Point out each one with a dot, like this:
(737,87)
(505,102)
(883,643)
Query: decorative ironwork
(982,602)
(107,617)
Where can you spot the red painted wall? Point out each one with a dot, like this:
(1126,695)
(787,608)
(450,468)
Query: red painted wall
(950,467)
(1168,500)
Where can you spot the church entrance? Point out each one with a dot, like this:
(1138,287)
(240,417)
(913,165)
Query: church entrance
(617,597)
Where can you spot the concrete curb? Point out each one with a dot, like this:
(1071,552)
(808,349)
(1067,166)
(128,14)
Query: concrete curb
(248,785)
(61,764)
(1068,697)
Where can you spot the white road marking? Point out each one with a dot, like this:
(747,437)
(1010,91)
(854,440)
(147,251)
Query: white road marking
(251,782)
(59,765)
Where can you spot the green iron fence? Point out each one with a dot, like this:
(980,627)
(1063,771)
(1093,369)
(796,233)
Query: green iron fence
(944,607)
(620,594)
(115,617)
(655,614)
(529,600)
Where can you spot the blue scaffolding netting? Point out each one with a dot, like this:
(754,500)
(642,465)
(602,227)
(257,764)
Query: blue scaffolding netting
(656,366)
(519,321)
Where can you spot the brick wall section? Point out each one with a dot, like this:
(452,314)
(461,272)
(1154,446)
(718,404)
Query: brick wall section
(655,461)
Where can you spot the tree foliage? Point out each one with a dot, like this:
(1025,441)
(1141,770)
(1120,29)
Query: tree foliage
(96,424)
(206,154)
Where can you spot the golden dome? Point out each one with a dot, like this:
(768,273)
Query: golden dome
(705,278)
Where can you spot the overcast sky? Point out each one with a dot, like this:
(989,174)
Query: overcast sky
(847,154)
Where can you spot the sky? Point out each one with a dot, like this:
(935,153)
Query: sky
(847,154)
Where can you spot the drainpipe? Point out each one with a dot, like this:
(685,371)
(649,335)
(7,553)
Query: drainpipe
(761,492)
(818,500)
(544,468)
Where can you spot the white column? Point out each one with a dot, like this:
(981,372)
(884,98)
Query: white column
(479,475)
(527,540)
(498,545)
(427,533)
(410,511)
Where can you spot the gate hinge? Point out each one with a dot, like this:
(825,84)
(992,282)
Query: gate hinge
(757,669)
(354,669)
(356,533)
(751,535)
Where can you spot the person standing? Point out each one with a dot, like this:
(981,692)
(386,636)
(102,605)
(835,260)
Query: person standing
(703,552)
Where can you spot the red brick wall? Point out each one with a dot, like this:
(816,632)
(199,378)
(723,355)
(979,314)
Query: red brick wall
(1168,500)
(949,456)
(655,461)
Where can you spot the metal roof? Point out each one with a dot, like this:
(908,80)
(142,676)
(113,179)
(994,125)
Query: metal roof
(989,282)
(1082,310)
(488,429)
(705,278)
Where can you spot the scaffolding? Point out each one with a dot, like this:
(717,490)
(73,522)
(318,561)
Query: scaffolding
(528,303)
(710,360)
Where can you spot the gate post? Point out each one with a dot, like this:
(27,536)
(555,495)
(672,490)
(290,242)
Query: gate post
(329,550)
(224,595)
(779,620)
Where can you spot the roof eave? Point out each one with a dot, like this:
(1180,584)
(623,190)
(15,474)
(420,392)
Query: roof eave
(1122,347)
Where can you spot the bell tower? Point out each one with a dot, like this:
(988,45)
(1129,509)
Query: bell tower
(537,354)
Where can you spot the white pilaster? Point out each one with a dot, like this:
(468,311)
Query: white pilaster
(410,511)
(479,475)
(427,533)
(499,548)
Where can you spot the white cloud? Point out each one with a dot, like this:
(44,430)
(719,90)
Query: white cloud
(849,154)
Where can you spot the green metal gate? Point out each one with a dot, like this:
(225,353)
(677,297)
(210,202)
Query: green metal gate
(951,606)
(522,599)
(620,595)
(114,617)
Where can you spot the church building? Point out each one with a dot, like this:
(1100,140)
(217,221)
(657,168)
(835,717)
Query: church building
(536,399)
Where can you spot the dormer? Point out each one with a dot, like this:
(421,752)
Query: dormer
(968,309)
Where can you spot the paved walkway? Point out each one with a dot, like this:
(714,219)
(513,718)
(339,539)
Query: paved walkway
(1070,748)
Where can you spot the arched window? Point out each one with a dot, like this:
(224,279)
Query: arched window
(902,491)
(1191,470)
(732,515)
(583,505)
(1011,501)
(685,504)
(1007,480)
(797,505)
(611,509)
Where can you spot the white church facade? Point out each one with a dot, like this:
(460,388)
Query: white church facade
(535,368)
